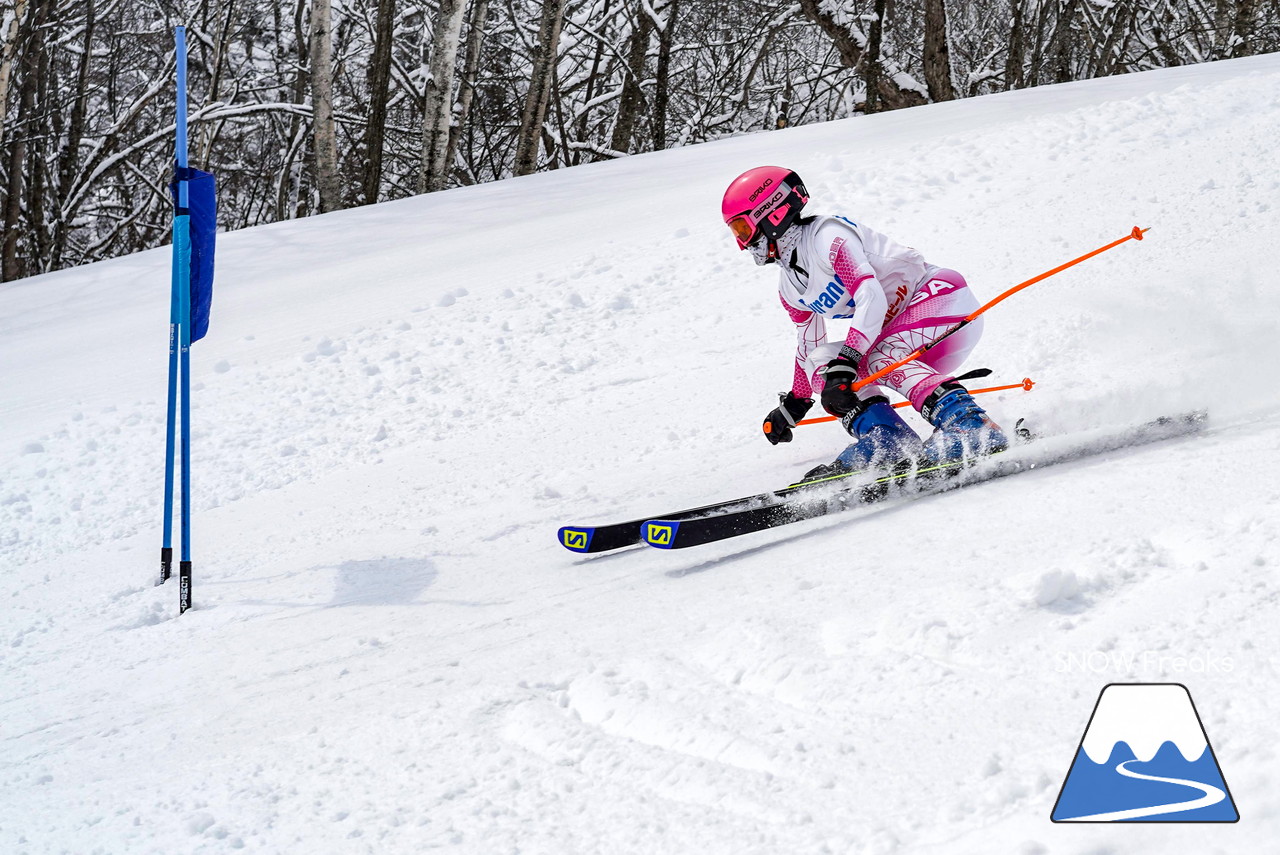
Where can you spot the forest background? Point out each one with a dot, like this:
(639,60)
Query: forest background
(306,106)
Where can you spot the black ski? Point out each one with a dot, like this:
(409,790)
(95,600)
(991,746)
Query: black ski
(605,538)
(684,531)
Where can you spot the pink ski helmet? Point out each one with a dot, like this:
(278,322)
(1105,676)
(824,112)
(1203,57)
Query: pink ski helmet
(763,202)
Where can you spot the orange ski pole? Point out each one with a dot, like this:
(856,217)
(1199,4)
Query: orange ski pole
(1136,234)
(1026,383)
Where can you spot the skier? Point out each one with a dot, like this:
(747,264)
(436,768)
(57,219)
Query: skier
(835,269)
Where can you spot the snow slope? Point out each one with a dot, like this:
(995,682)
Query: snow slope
(397,406)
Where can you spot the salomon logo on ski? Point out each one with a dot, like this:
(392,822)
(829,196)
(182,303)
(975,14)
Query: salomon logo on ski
(576,539)
(806,500)
(660,534)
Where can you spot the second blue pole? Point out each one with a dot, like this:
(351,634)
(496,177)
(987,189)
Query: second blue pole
(182,250)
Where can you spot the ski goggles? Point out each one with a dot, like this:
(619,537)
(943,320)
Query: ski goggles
(744,231)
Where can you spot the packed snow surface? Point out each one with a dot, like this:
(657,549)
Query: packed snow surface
(397,406)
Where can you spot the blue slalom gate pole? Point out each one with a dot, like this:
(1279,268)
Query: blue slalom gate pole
(181,263)
(171,420)
(195,227)
(182,244)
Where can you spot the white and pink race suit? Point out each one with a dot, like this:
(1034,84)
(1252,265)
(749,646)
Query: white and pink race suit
(894,300)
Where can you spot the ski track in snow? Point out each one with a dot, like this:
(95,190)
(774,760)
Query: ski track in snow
(397,406)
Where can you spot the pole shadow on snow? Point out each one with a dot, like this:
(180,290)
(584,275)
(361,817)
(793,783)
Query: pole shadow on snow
(382,581)
(374,582)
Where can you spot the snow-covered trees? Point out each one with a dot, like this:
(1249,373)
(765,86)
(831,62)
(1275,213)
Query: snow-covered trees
(324,132)
(438,111)
(401,96)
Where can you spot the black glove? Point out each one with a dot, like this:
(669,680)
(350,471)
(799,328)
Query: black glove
(779,422)
(838,397)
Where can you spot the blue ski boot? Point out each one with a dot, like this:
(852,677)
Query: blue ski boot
(881,440)
(963,430)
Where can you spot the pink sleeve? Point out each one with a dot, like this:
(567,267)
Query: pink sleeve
(810,335)
(800,386)
(851,273)
(857,340)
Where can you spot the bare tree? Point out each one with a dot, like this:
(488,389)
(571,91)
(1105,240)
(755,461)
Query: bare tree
(1243,28)
(937,53)
(470,73)
(294,76)
(1013,66)
(221,34)
(1062,43)
(438,109)
(379,84)
(75,130)
(86,89)
(662,79)
(324,132)
(1123,17)
(1045,8)
(30,57)
(872,71)
(7,55)
(632,99)
(539,95)
(863,51)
